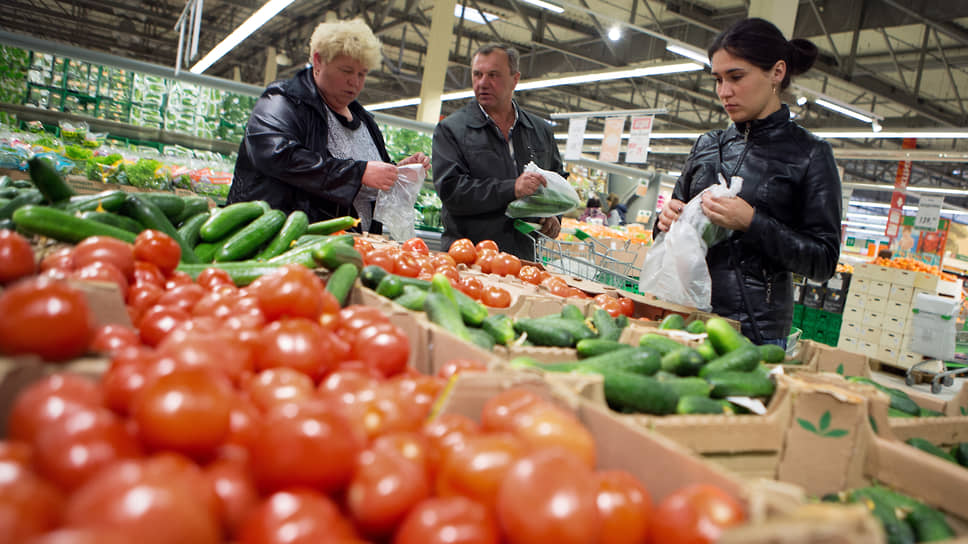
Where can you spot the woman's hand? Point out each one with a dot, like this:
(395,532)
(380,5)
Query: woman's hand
(380,175)
(418,158)
(670,212)
(731,212)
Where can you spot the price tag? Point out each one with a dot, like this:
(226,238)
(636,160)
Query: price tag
(929,212)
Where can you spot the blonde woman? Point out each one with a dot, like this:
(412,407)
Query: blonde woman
(309,145)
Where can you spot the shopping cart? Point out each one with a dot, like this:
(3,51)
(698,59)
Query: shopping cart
(610,263)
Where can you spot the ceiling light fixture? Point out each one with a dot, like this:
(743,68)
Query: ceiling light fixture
(801,100)
(545,5)
(615,33)
(687,51)
(644,71)
(253,23)
(473,15)
(843,110)
(875,126)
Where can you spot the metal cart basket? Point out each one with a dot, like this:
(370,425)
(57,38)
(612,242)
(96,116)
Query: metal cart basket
(589,258)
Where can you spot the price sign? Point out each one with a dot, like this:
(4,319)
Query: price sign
(929,212)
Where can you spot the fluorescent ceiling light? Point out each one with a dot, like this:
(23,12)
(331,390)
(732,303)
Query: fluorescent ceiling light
(910,189)
(920,134)
(644,71)
(256,20)
(474,16)
(843,110)
(615,33)
(801,100)
(674,173)
(545,5)
(688,52)
(865,232)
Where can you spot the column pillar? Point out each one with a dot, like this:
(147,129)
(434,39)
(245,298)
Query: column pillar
(435,65)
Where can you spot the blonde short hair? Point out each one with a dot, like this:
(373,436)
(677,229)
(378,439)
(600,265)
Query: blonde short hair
(351,38)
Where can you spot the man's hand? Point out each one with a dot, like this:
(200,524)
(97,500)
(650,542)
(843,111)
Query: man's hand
(418,158)
(731,212)
(550,227)
(528,183)
(380,175)
(670,212)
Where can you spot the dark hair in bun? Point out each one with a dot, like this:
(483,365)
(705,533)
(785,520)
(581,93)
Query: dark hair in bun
(761,43)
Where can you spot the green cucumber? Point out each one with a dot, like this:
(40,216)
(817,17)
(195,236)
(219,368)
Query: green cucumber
(148,214)
(9,192)
(628,392)
(110,201)
(334,253)
(443,311)
(927,412)
(642,361)
(706,349)
(293,228)
(899,399)
(894,412)
(371,275)
(684,361)
(189,228)
(744,359)
(205,251)
(740,384)
(896,531)
(577,329)
(300,254)
(170,204)
(481,339)
(241,272)
(590,347)
(662,343)
(390,286)
(471,311)
(771,353)
(542,333)
(249,239)
(672,322)
(45,177)
(928,447)
(193,205)
(692,404)
(115,220)
(26,197)
(22,184)
(696,326)
(605,324)
(960,453)
(413,298)
(929,525)
(225,220)
(570,311)
(500,328)
(330,226)
(63,226)
(690,386)
(723,336)
(341,281)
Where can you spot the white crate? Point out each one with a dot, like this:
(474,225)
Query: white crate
(890,340)
(854,314)
(879,289)
(848,343)
(859,285)
(950,289)
(876,303)
(870,334)
(894,324)
(851,329)
(872,319)
(926,281)
(898,309)
(855,300)
(888,355)
(904,277)
(868,348)
(901,293)
(908,359)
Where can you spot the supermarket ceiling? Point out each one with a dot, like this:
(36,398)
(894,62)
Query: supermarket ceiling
(905,61)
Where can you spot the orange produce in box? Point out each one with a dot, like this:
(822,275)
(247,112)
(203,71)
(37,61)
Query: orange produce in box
(505,264)
(487,244)
(484,260)
(496,297)
(463,252)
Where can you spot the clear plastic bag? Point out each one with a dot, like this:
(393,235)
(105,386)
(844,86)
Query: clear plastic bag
(394,208)
(675,267)
(555,198)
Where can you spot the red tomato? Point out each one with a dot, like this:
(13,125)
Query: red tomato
(379,257)
(385,486)
(543,425)
(446,432)
(183,297)
(695,514)
(277,386)
(356,317)
(62,258)
(463,252)
(627,306)
(442,259)
(29,505)
(307,444)
(476,470)
(362,245)
(45,317)
(293,291)
(295,516)
(416,392)
(106,249)
(549,496)
(416,245)
(406,265)
(171,505)
(176,278)
(382,346)
(300,344)
(142,296)
(484,259)
(500,410)
(453,366)
(212,277)
(505,264)
(448,272)
(72,449)
(113,337)
(625,507)
(487,244)
(102,271)
(496,297)
(88,535)
(157,248)
(235,490)
(411,445)
(128,374)
(530,274)
(158,321)
(471,287)
(612,306)
(145,272)
(448,520)
(16,451)
(16,257)
(47,400)
(380,411)
(244,419)
(345,382)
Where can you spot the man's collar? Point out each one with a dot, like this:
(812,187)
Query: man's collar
(518,117)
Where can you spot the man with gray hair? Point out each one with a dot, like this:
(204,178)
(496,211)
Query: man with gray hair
(479,155)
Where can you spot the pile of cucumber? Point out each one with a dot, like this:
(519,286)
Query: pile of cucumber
(901,405)
(662,376)
(905,520)
(958,453)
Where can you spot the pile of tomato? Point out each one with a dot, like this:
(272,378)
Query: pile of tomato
(267,414)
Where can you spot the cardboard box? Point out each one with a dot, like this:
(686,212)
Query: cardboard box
(856,300)
(874,272)
(876,303)
(888,355)
(853,314)
(891,340)
(837,360)
(859,285)
(868,347)
(852,329)
(870,334)
(898,309)
(879,289)
(848,343)
(872,319)
(901,293)
(894,324)
(927,282)
(904,277)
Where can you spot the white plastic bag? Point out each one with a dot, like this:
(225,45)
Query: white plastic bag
(394,208)
(675,267)
(555,198)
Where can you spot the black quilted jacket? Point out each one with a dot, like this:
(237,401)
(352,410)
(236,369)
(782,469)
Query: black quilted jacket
(790,178)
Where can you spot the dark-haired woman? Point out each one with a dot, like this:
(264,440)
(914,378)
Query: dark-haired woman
(786,218)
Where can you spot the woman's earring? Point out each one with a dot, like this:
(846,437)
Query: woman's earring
(774,88)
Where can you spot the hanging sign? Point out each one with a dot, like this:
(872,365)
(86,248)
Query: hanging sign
(896,214)
(641,132)
(576,137)
(929,212)
(612,140)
